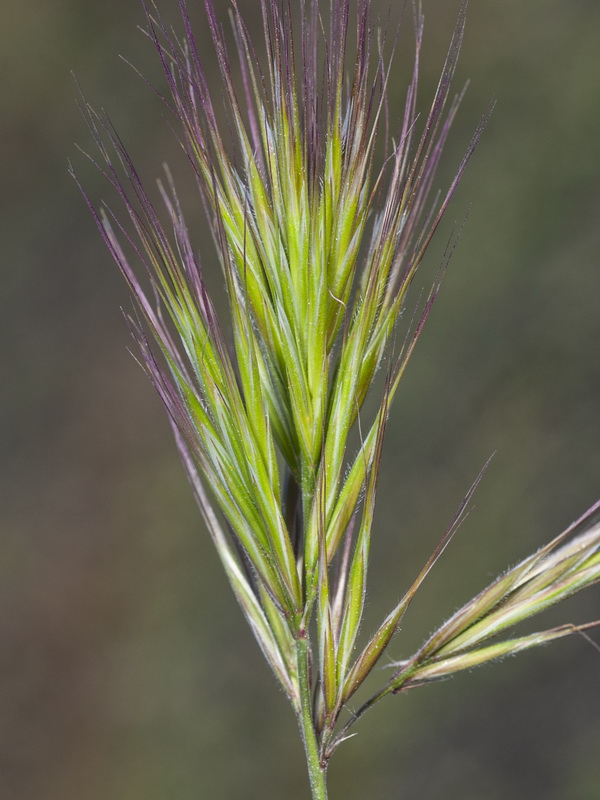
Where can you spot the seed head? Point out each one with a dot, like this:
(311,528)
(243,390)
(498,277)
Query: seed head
(319,241)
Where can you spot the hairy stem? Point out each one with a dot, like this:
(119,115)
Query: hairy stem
(316,769)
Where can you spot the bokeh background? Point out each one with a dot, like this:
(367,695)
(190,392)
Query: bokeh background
(126,671)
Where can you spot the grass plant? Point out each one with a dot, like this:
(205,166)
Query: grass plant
(319,239)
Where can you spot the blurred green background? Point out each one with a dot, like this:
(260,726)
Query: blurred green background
(126,671)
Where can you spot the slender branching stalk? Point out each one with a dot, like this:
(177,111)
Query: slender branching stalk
(319,239)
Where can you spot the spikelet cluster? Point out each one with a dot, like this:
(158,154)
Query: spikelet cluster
(318,240)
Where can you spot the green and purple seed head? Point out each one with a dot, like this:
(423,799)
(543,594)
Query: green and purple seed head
(319,239)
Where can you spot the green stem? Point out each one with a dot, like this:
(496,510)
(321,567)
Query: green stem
(316,770)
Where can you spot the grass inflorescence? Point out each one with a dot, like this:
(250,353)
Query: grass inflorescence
(319,240)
